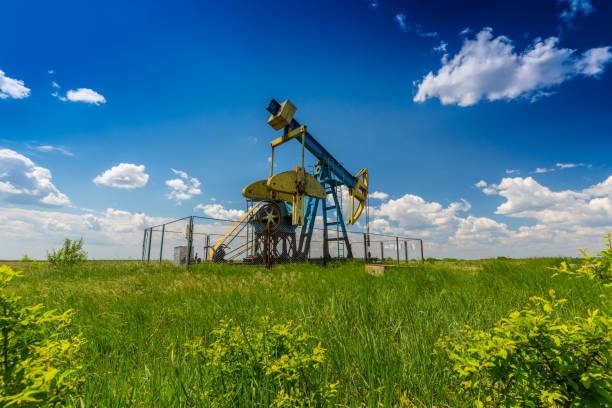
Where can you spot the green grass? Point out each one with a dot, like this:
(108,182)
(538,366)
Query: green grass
(379,332)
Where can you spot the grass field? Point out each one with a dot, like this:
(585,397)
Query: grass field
(379,332)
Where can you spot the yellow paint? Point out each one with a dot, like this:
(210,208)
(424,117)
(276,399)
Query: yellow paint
(259,191)
(287,182)
(218,244)
(288,135)
(359,193)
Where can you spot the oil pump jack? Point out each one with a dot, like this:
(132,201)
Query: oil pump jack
(290,199)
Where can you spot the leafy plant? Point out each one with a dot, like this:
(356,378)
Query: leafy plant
(71,253)
(25,258)
(38,363)
(598,267)
(272,363)
(534,358)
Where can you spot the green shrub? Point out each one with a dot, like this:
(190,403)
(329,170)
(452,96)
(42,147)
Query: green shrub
(70,254)
(533,358)
(25,258)
(272,364)
(598,267)
(38,362)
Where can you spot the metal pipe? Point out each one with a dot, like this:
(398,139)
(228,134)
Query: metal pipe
(406,249)
(382,251)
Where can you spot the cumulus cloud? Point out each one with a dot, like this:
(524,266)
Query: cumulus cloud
(489,68)
(575,7)
(124,175)
(378,195)
(184,187)
(12,88)
(526,198)
(220,212)
(411,215)
(49,148)
(85,95)
(112,233)
(23,182)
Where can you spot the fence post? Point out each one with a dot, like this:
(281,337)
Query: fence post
(189,240)
(161,245)
(206,247)
(144,244)
(397,249)
(406,250)
(422,256)
(382,251)
(149,245)
(365,248)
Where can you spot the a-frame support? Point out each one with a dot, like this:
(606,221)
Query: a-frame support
(312,205)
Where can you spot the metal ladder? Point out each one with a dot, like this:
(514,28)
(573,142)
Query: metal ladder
(341,237)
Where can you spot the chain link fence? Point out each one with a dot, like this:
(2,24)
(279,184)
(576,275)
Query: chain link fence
(198,239)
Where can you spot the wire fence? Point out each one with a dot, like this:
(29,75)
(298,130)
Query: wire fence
(197,239)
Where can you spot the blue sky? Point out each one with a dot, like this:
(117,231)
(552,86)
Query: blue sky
(433,97)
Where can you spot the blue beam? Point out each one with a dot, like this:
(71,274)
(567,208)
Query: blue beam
(314,147)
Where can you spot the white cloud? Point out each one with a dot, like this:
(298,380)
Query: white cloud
(124,175)
(183,188)
(479,230)
(400,19)
(526,198)
(569,165)
(110,234)
(85,95)
(55,85)
(574,7)
(594,60)
(512,171)
(465,31)
(49,148)
(378,195)
(488,67)
(12,88)
(23,182)
(540,170)
(441,47)
(220,212)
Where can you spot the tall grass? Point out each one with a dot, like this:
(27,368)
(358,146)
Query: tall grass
(379,332)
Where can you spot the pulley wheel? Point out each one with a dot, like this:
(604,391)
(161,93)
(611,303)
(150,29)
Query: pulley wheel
(269,215)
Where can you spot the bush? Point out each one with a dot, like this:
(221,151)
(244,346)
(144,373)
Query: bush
(598,267)
(533,358)
(70,254)
(273,364)
(38,363)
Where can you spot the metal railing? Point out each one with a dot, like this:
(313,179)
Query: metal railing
(192,239)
